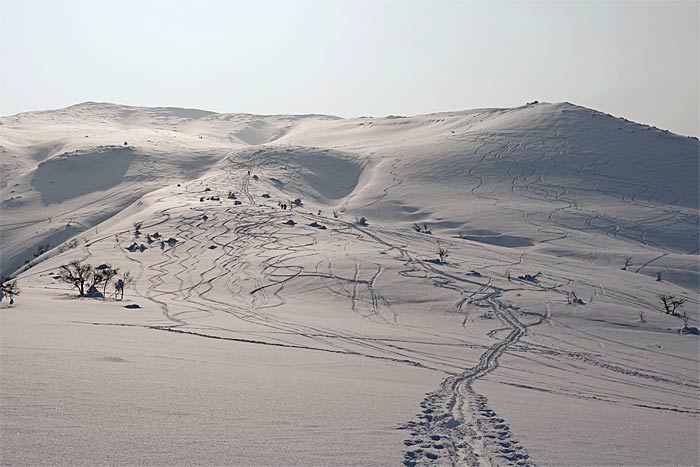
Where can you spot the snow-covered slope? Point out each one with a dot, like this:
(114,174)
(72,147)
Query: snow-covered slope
(531,203)
(557,174)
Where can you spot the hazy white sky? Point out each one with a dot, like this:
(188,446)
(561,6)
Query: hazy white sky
(350,58)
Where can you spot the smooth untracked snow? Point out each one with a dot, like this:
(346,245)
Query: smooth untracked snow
(321,341)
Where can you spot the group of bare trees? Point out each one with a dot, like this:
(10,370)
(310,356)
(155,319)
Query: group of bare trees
(9,289)
(86,278)
(672,306)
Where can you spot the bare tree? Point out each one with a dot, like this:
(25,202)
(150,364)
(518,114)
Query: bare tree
(628,262)
(671,303)
(79,275)
(642,316)
(108,273)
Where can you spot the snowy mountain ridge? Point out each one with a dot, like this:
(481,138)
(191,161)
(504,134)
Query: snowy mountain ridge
(474,288)
(561,147)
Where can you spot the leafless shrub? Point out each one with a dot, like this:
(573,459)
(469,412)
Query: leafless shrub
(11,290)
(422,229)
(572,299)
(642,316)
(122,283)
(685,318)
(628,262)
(442,253)
(41,249)
(68,246)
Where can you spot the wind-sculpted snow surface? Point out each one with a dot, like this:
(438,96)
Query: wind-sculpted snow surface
(261,330)
(73,175)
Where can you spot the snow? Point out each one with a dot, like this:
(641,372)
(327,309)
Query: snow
(128,396)
(266,336)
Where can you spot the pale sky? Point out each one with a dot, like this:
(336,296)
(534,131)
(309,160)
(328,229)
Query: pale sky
(633,59)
